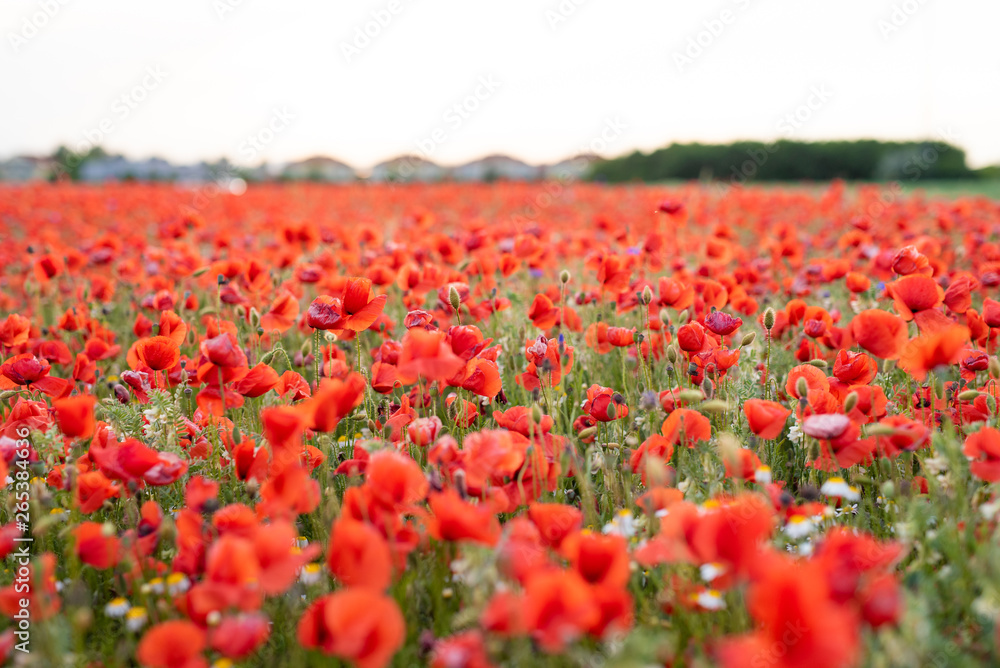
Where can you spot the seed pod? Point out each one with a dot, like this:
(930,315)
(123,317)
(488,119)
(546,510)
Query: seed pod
(690,396)
(850,402)
(714,406)
(768,318)
(880,430)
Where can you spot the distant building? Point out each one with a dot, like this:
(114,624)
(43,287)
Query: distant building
(26,168)
(408,168)
(571,169)
(118,168)
(320,168)
(494,167)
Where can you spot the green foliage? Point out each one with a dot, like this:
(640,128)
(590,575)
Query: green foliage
(785,160)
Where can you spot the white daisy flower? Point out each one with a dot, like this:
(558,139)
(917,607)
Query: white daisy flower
(310,574)
(623,525)
(799,526)
(177,583)
(710,599)
(839,488)
(135,619)
(117,607)
(712,570)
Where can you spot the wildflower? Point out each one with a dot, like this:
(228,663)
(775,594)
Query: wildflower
(799,526)
(839,488)
(135,619)
(622,524)
(117,607)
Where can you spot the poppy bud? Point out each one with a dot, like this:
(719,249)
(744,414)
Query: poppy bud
(588,432)
(536,414)
(647,295)
(968,395)
(819,364)
(768,318)
(886,466)
(672,354)
(748,339)
(237,437)
(850,402)
(690,396)
(612,411)
(564,276)
(880,430)
(82,619)
(706,387)
(254,317)
(991,403)
(938,388)
(888,489)
(454,298)
(801,387)
(665,316)
(683,317)
(714,406)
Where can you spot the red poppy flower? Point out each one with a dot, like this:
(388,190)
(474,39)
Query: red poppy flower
(158,352)
(357,625)
(173,644)
(75,415)
(766,418)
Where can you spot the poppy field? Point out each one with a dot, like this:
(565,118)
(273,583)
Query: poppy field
(498,425)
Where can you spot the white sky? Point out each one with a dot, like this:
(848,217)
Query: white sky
(610,67)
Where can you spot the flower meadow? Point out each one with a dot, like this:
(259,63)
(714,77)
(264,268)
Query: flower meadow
(511,424)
